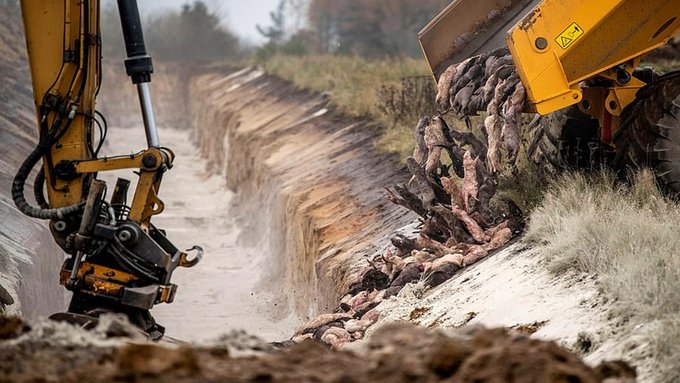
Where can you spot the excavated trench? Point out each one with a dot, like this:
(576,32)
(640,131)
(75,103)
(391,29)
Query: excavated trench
(284,193)
(306,204)
(311,172)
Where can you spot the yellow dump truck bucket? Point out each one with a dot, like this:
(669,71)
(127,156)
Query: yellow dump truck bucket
(468,27)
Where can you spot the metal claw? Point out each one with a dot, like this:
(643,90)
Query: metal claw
(184,262)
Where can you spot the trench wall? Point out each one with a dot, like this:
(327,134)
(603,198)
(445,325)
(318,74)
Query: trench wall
(308,180)
(29,258)
(308,171)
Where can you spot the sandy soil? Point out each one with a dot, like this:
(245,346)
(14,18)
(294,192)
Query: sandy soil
(227,290)
(509,289)
(513,289)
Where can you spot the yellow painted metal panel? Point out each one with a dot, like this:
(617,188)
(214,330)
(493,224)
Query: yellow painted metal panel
(611,32)
(53,28)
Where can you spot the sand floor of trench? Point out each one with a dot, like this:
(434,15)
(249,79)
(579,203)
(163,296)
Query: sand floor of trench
(231,288)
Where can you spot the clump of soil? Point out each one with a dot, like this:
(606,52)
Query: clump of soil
(394,353)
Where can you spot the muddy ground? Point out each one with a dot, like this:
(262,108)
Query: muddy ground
(229,289)
(396,353)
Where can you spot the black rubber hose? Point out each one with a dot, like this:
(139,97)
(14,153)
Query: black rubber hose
(18,191)
(131,265)
(38,193)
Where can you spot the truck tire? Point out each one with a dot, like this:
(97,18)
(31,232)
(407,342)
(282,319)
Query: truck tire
(650,132)
(569,138)
(566,139)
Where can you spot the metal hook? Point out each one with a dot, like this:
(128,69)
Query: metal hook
(184,262)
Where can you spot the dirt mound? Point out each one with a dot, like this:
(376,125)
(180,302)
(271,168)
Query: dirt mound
(395,353)
(529,360)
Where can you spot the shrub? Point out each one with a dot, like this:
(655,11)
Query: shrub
(627,235)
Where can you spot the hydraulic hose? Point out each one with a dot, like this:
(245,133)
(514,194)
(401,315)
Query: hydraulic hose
(38,185)
(18,191)
(132,263)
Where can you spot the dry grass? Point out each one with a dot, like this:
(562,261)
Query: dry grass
(353,83)
(628,236)
(365,88)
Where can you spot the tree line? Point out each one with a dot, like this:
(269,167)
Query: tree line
(370,27)
(194,32)
(367,28)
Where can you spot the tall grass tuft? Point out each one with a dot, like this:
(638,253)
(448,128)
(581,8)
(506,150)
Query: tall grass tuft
(628,235)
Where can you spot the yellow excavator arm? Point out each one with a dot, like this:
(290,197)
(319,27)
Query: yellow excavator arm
(64,52)
(119,261)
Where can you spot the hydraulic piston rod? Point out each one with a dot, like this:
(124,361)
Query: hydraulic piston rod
(147,115)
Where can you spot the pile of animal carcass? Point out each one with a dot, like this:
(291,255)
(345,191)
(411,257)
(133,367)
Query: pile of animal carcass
(459,223)
(459,226)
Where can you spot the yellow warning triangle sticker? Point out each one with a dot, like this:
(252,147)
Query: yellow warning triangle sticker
(569,35)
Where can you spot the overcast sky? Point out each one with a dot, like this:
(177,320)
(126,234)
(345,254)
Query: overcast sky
(240,15)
